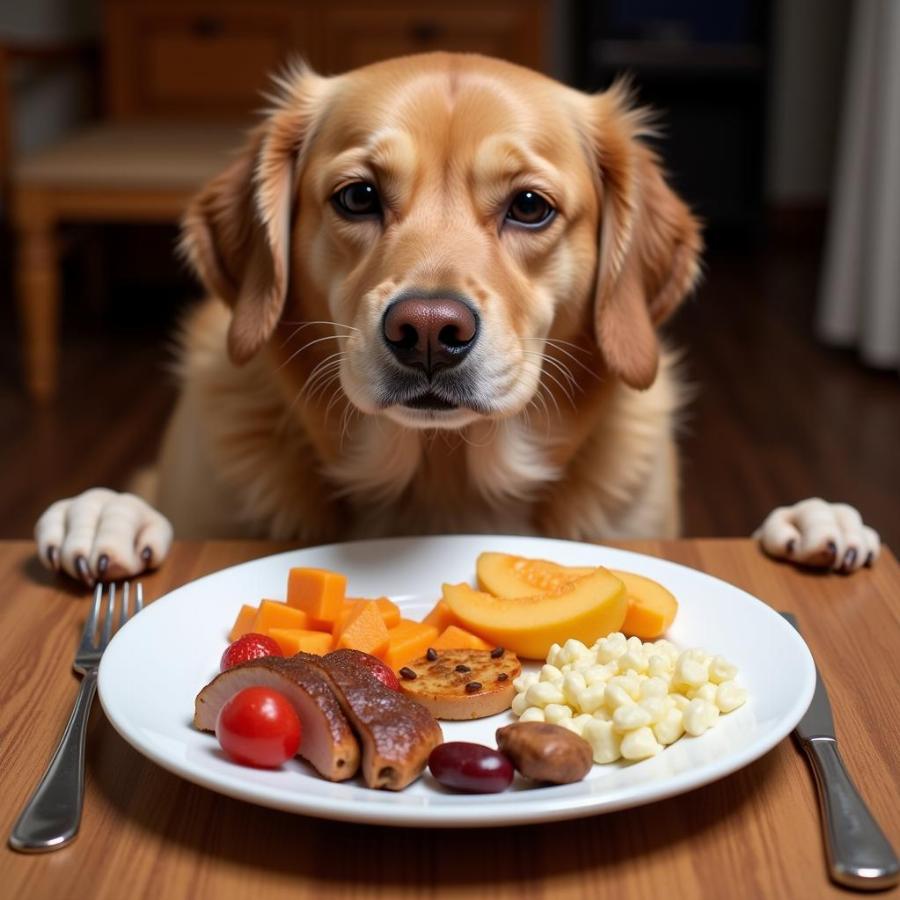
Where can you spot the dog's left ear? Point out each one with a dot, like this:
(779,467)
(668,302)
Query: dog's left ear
(236,231)
(650,243)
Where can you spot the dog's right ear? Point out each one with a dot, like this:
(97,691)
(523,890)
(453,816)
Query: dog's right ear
(236,231)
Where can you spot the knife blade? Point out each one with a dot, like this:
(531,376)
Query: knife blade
(859,854)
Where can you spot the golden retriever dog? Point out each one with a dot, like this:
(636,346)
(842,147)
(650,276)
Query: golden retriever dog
(436,286)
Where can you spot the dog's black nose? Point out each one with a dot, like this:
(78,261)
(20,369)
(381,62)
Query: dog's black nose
(430,334)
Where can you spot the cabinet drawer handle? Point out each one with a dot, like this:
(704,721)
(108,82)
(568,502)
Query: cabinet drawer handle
(425,31)
(207,27)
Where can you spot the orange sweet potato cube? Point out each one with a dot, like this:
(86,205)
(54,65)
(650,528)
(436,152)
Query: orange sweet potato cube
(296,640)
(407,640)
(277,614)
(441,617)
(243,624)
(318,592)
(363,629)
(456,638)
(389,610)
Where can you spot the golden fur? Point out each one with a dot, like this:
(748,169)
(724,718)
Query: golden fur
(281,431)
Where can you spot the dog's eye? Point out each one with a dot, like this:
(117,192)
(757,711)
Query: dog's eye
(530,209)
(357,199)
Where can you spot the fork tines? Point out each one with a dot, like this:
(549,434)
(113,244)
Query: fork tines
(89,636)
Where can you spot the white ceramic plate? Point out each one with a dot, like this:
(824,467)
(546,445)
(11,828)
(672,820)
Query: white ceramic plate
(158,662)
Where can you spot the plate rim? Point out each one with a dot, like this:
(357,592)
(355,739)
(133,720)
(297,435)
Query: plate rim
(520,809)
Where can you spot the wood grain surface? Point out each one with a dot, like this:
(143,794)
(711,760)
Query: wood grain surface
(146,833)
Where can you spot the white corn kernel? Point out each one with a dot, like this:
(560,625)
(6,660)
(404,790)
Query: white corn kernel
(628,718)
(519,704)
(633,657)
(591,698)
(616,696)
(525,681)
(630,682)
(656,708)
(573,684)
(670,727)
(730,696)
(704,692)
(610,647)
(659,666)
(553,654)
(639,744)
(721,670)
(654,687)
(681,701)
(699,716)
(551,674)
(544,692)
(532,714)
(597,675)
(578,722)
(556,712)
(603,714)
(605,743)
(691,670)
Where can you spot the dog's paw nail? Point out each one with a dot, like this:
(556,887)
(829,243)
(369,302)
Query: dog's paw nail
(790,547)
(102,565)
(849,559)
(84,572)
(831,547)
(870,559)
(53,557)
(147,555)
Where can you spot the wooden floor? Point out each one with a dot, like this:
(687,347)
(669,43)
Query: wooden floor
(775,417)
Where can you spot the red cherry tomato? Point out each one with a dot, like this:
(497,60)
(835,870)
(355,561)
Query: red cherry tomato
(250,646)
(259,727)
(383,672)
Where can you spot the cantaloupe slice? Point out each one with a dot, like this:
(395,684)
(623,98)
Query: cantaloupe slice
(407,640)
(318,592)
(243,624)
(276,614)
(505,575)
(297,640)
(651,608)
(455,638)
(363,629)
(587,608)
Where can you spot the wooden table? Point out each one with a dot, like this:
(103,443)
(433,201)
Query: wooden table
(147,833)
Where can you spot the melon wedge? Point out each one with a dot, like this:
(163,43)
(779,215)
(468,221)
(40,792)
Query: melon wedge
(586,608)
(651,608)
(506,575)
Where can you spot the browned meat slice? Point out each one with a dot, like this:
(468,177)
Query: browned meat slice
(327,742)
(397,734)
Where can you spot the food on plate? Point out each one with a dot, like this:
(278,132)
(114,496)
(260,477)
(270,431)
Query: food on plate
(276,614)
(441,617)
(362,628)
(408,640)
(545,752)
(259,727)
(584,608)
(329,744)
(243,623)
(462,684)
(301,640)
(250,646)
(318,592)
(455,638)
(506,575)
(472,768)
(383,672)
(627,698)
(651,608)
(396,733)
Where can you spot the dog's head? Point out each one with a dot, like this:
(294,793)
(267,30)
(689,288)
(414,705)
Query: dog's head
(447,215)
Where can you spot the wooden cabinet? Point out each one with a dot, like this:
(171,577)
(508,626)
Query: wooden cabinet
(212,58)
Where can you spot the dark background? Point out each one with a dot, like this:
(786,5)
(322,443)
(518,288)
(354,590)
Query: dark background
(748,97)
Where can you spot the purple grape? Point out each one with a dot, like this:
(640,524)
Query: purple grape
(472,768)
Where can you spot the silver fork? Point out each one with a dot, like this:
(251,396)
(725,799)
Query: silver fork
(51,817)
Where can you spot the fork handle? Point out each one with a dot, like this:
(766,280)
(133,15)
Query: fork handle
(53,814)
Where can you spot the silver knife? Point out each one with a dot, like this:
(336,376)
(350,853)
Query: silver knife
(859,854)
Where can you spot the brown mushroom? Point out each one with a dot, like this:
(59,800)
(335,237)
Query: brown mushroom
(545,752)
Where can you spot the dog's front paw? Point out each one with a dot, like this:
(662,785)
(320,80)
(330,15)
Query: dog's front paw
(819,534)
(102,535)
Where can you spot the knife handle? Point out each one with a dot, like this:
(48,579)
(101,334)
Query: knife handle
(859,854)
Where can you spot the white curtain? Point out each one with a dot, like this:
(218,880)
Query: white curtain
(859,302)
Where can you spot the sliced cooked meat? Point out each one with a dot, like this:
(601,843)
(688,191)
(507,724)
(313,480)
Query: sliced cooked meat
(328,742)
(397,734)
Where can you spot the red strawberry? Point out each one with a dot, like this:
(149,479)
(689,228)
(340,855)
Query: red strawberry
(383,672)
(250,646)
